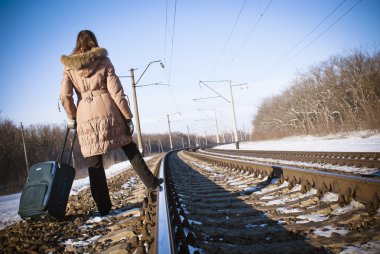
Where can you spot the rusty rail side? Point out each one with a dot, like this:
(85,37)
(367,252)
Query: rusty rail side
(364,190)
(358,159)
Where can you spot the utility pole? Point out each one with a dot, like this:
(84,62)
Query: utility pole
(216,120)
(232,103)
(188,135)
(224,138)
(160,145)
(25,153)
(217,129)
(183,144)
(139,138)
(234,116)
(170,134)
(136,114)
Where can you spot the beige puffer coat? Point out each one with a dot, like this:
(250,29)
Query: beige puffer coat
(102,106)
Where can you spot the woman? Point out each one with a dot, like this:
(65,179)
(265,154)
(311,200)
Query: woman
(102,115)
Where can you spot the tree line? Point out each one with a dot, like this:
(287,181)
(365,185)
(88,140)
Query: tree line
(340,94)
(44,143)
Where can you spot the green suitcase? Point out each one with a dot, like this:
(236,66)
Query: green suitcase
(47,188)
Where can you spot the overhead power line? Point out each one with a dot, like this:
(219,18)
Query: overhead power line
(249,35)
(327,29)
(168,75)
(166,27)
(171,51)
(203,82)
(303,39)
(228,39)
(317,37)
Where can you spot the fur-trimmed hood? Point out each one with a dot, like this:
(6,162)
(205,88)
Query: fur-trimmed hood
(78,61)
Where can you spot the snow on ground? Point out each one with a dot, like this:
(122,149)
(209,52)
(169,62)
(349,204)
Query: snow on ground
(371,247)
(72,244)
(306,218)
(330,197)
(81,184)
(327,231)
(9,203)
(354,205)
(350,142)
(8,209)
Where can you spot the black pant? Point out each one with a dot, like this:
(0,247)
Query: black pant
(98,180)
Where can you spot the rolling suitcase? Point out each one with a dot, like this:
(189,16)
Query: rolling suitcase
(48,187)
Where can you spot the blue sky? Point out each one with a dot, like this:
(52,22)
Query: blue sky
(34,34)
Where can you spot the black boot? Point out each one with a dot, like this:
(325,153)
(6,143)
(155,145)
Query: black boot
(99,190)
(138,164)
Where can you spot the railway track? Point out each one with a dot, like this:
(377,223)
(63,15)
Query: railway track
(214,204)
(356,159)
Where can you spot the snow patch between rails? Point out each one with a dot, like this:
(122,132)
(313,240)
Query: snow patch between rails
(288,210)
(194,222)
(371,247)
(330,197)
(72,244)
(354,205)
(193,249)
(282,201)
(93,220)
(114,213)
(130,183)
(327,231)
(311,218)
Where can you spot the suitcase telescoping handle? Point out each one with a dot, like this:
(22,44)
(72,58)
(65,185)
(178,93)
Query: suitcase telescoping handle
(64,145)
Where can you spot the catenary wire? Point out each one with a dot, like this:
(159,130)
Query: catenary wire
(302,40)
(165,49)
(327,29)
(228,39)
(248,36)
(172,46)
(166,27)
(318,36)
(171,53)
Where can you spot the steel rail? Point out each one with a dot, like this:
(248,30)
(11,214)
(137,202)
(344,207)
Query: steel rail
(164,243)
(359,159)
(365,190)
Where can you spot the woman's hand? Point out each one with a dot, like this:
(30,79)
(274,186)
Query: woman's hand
(130,127)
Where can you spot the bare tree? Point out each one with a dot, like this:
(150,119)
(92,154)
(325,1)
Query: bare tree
(340,94)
